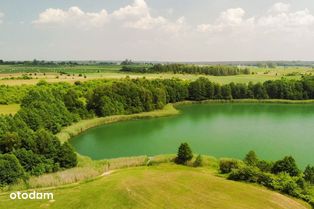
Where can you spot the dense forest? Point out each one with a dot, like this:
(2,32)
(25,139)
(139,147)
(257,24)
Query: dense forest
(215,70)
(28,145)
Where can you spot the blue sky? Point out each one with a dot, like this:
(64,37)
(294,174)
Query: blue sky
(157,30)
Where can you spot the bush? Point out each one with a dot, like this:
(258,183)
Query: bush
(265,179)
(198,161)
(10,169)
(246,173)
(184,154)
(226,165)
(286,184)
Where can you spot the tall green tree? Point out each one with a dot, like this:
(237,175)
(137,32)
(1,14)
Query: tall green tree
(286,165)
(251,158)
(184,154)
(309,174)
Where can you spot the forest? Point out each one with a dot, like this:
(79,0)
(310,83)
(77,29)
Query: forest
(215,70)
(28,144)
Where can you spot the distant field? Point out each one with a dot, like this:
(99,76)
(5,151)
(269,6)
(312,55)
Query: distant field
(9,109)
(11,69)
(81,73)
(165,186)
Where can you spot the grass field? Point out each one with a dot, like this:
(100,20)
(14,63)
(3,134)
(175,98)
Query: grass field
(166,186)
(112,72)
(9,109)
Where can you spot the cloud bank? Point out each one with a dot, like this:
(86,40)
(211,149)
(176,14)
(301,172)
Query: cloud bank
(278,18)
(136,16)
(1,17)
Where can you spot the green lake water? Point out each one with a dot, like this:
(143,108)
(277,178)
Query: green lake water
(220,130)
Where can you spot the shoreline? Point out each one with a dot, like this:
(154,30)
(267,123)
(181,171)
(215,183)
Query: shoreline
(253,101)
(76,129)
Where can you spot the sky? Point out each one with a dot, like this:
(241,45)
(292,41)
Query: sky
(157,30)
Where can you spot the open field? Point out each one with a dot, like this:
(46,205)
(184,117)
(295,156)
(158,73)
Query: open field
(162,186)
(9,109)
(81,73)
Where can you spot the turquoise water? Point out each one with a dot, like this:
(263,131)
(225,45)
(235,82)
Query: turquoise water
(221,130)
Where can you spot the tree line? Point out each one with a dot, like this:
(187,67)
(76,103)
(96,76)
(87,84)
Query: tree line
(215,70)
(202,89)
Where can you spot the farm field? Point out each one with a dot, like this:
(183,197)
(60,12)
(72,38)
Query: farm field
(13,75)
(163,186)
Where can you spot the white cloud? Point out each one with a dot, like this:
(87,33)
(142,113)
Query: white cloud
(147,22)
(232,16)
(73,16)
(139,8)
(136,16)
(280,8)
(288,20)
(230,19)
(278,18)
(1,16)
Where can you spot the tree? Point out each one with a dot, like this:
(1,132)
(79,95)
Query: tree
(198,161)
(226,92)
(184,154)
(9,142)
(265,166)
(10,169)
(286,165)
(309,174)
(67,157)
(28,159)
(251,158)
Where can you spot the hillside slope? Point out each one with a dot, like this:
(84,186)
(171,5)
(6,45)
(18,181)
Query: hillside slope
(164,186)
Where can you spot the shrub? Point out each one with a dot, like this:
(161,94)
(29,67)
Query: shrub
(286,184)
(246,173)
(265,179)
(226,165)
(198,161)
(184,154)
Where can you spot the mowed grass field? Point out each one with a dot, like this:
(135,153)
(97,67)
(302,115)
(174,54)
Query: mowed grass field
(112,72)
(9,109)
(166,186)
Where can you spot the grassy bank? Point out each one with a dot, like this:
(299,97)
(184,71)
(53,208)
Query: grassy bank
(83,125)
(9,109)
(161,186)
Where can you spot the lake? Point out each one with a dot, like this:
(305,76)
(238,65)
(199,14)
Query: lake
(220,130)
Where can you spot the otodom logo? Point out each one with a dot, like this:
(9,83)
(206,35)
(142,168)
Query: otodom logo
(31,195)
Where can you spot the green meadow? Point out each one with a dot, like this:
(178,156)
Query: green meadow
(166,186)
